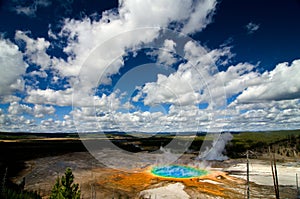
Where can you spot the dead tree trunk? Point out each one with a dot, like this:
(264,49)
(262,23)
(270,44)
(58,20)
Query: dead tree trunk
(274,173)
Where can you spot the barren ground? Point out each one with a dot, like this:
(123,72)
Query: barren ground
(226,179)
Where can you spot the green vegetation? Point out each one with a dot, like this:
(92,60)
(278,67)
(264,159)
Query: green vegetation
(64,188)
(267,137)
(283,143)
(9,193)
(9,190)
(29,136)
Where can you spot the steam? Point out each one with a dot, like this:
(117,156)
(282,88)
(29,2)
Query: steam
(215,152)
(166,156)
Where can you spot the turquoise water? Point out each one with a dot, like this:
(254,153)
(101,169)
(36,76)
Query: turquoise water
(177,171)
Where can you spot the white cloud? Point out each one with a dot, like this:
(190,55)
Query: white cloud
(5,122)
(203,58)
(179,119)
(35,50)
(273,115)
(279,84)
(107,102)
(86,35)
(127,105)
(201,82)
(30,10)
(9,98)
(233,81)
(47,123)
(18,109)
(165,55)
(12,68)
(194,82)
(15,123)
(174,89)
(95,50)
(200,16)
(159,12)
(49,96)
(40,111)
(252,27)
(66,98)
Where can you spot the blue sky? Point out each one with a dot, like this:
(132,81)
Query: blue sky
(149,66)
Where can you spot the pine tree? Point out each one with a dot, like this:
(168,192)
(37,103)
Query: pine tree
(64,188)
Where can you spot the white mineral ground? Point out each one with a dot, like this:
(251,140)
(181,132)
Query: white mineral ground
(261,173)
(166,192)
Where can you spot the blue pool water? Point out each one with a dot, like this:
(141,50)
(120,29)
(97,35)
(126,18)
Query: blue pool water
(177,171)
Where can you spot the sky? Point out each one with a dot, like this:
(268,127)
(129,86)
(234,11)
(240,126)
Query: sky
(149,66)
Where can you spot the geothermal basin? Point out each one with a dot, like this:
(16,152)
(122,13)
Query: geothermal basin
(160,180)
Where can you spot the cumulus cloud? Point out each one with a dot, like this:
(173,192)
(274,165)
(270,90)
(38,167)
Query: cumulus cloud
(174,89)
(15,123)
(9,98)
(12,68)
(18,109)
(40,111)
(88,40)
(282,83)
(271,115)
(200,17)
(66,98)
(252,27)
(95,50)
(86,34)
(179,119)
(35,50)
(194,82)
(50,96)
(234,80)
(200,82)
(165,55)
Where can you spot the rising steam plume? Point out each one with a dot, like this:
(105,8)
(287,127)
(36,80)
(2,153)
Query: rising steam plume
(215,152)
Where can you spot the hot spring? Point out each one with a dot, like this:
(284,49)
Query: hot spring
(177,171)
